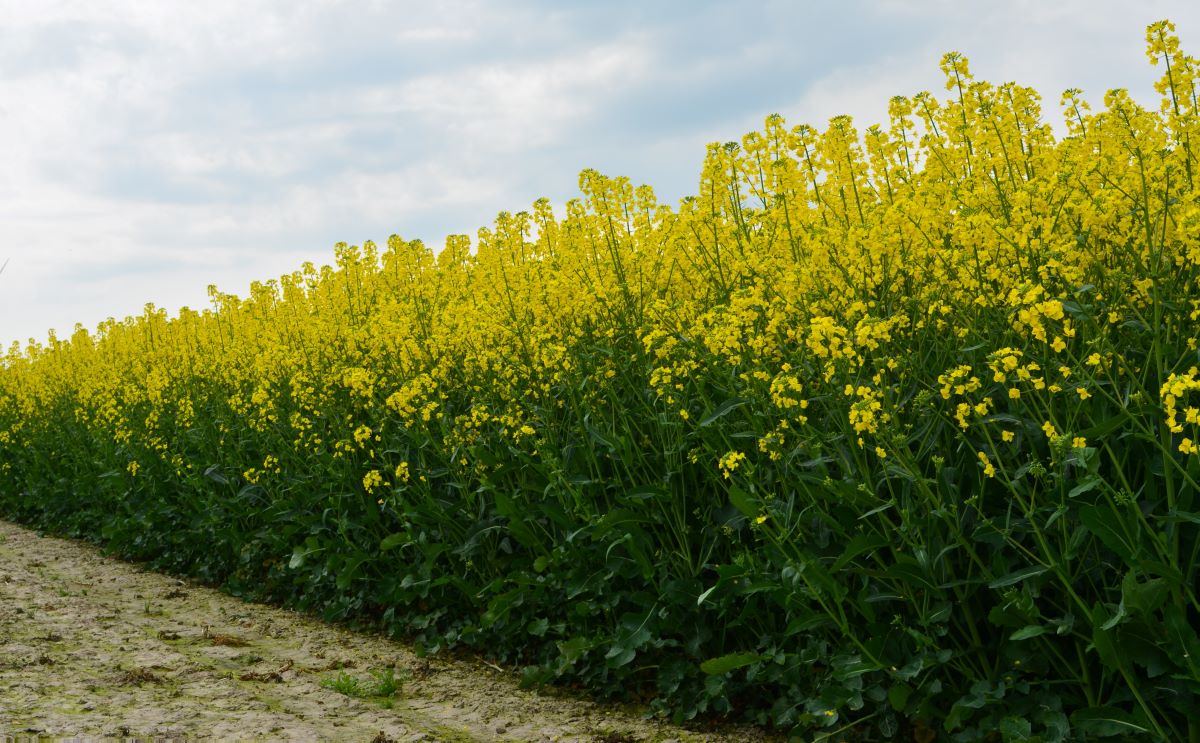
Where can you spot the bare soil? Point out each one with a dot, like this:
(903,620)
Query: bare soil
(95,647)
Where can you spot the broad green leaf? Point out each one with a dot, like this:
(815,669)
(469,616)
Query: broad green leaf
(1056,725)
(392,541)
(909,670)
(1144,644)
(742,501)
(573,649)
(1015,728)
(1103,722)
(298,556)
(349,570)
(1183,642)
(1109,529)
(619,655)
(1143,598)
(847,667)
(898,696)
(730,662)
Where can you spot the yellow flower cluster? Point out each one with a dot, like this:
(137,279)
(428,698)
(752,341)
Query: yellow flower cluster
(1181,408)
(821,276)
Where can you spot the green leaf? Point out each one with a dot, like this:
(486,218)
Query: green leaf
(1142,643)
(392,541)
(742,501)
(1017,576)
(1058,513)
(1105,427)
(500,606)
(1056,725)
(1109,529)
(598,437)
(909,670)
(982,692)
(1083,487)
(1143,598)
(730,662)
(572,650)
(1184,643)
(858,545)
(910,572)
(722,410)
(847,667)
(1102,637)
(1115,619)
(213,472)
(1015,728)
(349,570)
(1102,722)
(1175,516)
(813,574)
(898,696)
(1027,632)
(643,494)
(877,509)
(619,655)
(299,555)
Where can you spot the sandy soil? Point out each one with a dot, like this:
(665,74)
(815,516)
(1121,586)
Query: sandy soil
(94,647)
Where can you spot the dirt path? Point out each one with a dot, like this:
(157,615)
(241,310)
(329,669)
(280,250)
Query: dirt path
(90,646)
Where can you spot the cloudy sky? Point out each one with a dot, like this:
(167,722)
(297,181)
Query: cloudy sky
(150,148)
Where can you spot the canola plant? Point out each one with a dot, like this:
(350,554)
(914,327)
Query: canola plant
(888,433)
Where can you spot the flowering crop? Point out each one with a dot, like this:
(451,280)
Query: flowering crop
(880,431)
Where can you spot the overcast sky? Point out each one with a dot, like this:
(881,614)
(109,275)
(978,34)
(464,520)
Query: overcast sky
(150,148)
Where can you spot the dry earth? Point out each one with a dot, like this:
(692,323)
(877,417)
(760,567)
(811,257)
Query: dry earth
(94,647)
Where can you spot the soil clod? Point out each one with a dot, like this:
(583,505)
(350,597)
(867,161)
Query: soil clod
(137,677)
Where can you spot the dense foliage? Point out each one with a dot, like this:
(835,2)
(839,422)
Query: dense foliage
(892,434)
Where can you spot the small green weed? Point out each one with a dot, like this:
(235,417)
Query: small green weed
(386,684)
(383,685)
(344,683)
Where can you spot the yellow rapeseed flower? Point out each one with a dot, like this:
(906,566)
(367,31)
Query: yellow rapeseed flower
(729,462)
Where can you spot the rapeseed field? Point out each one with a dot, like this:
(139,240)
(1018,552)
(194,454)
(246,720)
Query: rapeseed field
(888,433)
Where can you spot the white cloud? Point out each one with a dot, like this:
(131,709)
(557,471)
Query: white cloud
(150,149)
(503,107)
